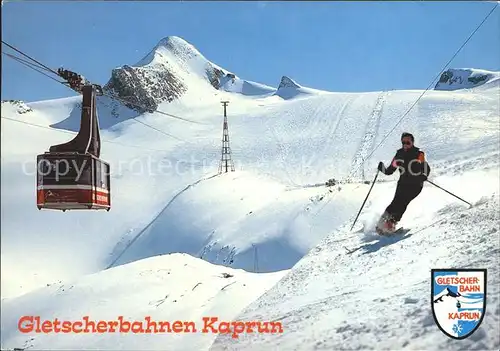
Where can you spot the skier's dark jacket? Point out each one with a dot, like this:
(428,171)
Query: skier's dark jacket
(404,160)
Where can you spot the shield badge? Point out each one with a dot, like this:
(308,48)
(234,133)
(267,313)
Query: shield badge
(458,299)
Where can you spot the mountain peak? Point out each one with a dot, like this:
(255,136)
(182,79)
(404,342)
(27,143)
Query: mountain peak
(172,41)
(287,82)
(168,47)
(169,71)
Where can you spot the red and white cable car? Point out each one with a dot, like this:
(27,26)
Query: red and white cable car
(71,176)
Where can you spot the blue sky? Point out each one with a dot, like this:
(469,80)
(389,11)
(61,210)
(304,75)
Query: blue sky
(336,46)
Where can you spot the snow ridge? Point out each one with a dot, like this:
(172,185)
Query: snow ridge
(164,288)
(20,106)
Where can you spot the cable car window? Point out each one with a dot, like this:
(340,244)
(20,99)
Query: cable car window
(84,171)
(101,175)
(104,176)
(97,173)
(66,171)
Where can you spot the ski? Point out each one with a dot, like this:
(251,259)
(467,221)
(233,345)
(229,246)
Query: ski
(400,230)
(350,251)
(378,236)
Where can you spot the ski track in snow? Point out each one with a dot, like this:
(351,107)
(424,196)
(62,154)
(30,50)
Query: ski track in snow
(371,130)
(317,129)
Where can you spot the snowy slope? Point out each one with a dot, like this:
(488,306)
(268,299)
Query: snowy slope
(356,291)
(168,288)
(264,217)
(466,78)
(328,302)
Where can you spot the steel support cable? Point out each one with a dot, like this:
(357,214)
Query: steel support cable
(125,101)
(25,61)
(32,66)
(73,133)
(31,58)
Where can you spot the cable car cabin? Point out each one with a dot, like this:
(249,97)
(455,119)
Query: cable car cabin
(72,181)
(71,176)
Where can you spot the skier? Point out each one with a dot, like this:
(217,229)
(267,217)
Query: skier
(413,169)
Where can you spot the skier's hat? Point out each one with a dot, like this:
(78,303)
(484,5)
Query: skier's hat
(406,134)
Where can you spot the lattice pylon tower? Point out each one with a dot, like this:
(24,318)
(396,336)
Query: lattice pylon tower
(226,161)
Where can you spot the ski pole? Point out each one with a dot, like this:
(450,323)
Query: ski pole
(449,193)
(366,198)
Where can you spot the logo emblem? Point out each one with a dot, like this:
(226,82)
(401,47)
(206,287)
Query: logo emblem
(458,299)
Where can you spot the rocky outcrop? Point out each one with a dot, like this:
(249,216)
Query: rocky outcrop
(287,82)
(145,87)
(464,78)
(19,105)
(215,76)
